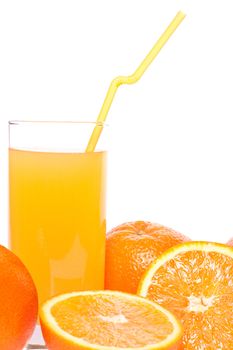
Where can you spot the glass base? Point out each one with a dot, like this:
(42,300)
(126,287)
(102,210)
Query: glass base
(36,342)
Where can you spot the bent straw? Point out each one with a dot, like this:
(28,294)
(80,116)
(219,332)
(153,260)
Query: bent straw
(131,79)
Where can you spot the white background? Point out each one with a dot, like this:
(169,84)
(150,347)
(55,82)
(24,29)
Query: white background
(171,144)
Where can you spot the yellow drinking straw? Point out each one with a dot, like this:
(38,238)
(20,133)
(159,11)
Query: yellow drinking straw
(131,79)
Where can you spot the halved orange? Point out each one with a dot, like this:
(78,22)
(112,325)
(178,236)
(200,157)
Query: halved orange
(108,320)
(195,281)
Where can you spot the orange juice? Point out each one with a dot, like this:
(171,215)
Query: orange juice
(57,218)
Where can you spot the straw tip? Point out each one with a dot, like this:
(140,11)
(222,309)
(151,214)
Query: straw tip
(181,14)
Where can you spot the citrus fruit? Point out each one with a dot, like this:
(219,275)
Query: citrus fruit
(130,249)
(19,304)
(195,281)
(108,320)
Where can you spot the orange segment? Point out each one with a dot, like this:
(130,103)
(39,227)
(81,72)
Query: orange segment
(195,281)
(108,320)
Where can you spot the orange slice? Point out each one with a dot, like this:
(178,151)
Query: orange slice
(107,320)
(195,281)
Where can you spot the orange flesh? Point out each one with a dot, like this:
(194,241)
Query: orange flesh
(57,218)
(197,287)
(110,321)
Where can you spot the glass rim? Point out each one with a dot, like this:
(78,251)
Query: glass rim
(55,122)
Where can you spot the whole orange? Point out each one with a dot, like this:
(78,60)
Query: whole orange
(131,248)
(19,302)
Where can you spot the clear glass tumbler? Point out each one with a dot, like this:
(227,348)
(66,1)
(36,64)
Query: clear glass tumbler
(57,209)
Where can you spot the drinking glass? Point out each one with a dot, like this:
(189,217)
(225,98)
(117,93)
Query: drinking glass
(57,209)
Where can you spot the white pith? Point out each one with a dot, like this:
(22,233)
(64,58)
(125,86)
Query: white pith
(200,304)
(114,319)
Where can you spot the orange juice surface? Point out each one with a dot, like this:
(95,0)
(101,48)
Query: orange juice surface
(57,218)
